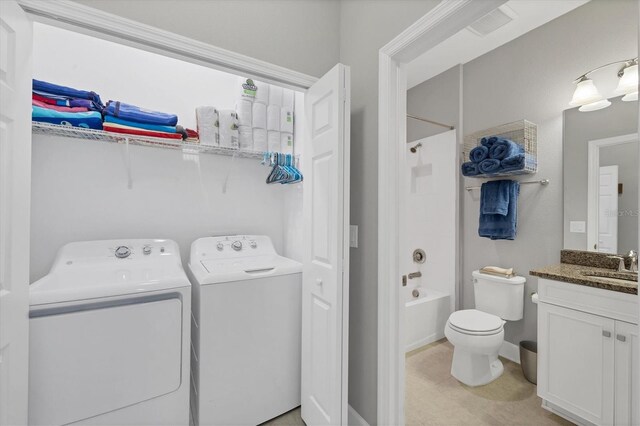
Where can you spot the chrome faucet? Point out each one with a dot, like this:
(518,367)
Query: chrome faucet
(621,265)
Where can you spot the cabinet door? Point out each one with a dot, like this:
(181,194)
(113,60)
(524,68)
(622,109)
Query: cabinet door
(627,381)
(576,355)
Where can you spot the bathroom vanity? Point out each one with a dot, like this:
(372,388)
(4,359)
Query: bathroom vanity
(588,357)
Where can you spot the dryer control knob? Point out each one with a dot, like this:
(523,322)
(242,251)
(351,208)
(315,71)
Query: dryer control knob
(237,245)
(146,250)
(253,244)
(122,252)
(220,246)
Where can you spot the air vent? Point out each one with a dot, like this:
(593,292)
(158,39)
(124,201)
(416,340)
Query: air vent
(492,21)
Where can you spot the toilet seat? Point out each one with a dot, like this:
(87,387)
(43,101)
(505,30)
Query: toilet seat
(475,323)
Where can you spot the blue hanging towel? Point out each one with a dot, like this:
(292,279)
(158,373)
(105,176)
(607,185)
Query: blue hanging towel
(69,92)
(141,115)
(501,197)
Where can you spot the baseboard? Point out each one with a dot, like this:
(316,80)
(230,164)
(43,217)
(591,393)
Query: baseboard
(355,419)
(510,351)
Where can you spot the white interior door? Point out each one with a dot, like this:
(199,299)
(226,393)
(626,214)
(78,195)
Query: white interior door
(15,187)
(325,291)
(608,210)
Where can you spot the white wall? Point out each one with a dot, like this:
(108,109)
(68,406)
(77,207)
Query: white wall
(79,188)
(300,35)
(530,78)
(366,26)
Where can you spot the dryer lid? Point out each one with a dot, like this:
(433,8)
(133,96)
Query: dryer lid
(97,269)
(474,321)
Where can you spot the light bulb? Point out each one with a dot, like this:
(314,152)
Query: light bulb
(628,82)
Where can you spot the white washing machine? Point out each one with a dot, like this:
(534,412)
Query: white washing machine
(246,331)
(109,336)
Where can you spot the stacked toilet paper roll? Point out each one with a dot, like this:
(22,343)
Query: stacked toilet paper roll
(228,128)
(275,95)
(244,108)
(248,89)
(245,137)
(273,118)
(262,92)
(259,115)
(286,143)
(273,141)
(286,119)
(207,124)
(260,140)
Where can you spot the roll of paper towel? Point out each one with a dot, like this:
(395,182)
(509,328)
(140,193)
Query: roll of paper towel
(259,112)
(275,95)
(207,124)
(273,118)
(286,143)
(245,137)
(286,120)
(228,120)
(287,98)
(260,140)
(262,92)
(244,109)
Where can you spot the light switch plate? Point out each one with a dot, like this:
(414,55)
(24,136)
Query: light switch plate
(353,236)
(578,227)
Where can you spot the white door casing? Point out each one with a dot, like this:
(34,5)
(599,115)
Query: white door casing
(325,265)
(15,188)
(608,210)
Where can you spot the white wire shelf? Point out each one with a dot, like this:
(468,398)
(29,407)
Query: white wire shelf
(101,135)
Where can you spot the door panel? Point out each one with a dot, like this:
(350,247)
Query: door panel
(575,362)
(15,187)
(627,365)
(608,210)
(326,267)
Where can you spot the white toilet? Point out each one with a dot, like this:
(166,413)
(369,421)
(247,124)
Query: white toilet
(477,334)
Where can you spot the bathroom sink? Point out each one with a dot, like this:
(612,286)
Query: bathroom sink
(613,275)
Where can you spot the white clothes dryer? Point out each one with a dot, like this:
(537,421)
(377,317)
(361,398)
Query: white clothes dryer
(109,336)
(246,330)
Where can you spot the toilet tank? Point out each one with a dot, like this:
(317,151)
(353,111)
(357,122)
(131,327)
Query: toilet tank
(499,296)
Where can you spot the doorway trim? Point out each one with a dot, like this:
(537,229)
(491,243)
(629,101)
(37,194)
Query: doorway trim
(87,20)
(593,185)
(440,23)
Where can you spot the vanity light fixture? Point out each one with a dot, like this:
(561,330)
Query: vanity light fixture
(587,96)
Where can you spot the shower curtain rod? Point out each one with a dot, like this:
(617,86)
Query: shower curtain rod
(450,127)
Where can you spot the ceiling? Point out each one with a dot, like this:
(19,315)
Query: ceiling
(466,46)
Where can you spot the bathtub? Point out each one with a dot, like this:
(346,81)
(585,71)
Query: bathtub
(425,318)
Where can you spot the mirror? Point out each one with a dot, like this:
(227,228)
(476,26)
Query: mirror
(600,159)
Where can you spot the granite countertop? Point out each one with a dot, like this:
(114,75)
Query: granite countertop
(574,264)
(575,274)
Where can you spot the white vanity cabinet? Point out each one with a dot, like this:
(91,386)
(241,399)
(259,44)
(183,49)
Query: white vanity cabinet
(588,353)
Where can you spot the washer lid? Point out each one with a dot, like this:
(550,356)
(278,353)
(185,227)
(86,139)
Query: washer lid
(474,321)
(97,269)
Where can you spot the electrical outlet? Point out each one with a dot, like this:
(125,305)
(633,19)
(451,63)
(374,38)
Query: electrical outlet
(578,227)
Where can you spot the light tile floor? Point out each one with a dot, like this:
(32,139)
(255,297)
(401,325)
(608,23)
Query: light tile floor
(434,397)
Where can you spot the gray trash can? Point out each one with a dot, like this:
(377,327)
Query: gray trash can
(529,360)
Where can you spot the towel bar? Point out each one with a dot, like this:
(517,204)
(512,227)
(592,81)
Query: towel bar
(542,182)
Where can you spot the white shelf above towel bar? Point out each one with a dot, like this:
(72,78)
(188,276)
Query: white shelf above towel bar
(543,182)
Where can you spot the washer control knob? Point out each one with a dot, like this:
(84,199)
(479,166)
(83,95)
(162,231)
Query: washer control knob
(122,252)
(236,245)
(220,246)
(146,250)
(253,244)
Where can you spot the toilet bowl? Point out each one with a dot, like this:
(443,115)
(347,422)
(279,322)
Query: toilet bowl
(477,334)
(477,338)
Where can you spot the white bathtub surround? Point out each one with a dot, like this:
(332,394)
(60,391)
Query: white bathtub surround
(425,318)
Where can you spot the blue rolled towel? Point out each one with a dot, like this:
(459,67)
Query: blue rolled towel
(469,169)
(490,165)
(488,141)
(504,148)
(515,162)
(478,154)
